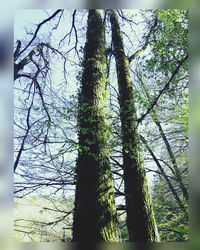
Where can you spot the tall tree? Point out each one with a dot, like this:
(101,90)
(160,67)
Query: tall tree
(95,217)
(140,217)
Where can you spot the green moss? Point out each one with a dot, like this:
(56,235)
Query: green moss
(93,159)
(140,217)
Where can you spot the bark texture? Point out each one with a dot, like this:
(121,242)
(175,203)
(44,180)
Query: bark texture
(95,217)
(140,217)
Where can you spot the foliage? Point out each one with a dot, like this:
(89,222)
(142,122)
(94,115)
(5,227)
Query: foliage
(172,223)
(123,230)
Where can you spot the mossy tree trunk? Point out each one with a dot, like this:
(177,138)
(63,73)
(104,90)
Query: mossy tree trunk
(140,217)
(95,217)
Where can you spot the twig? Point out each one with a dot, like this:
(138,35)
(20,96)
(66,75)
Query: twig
(38,27)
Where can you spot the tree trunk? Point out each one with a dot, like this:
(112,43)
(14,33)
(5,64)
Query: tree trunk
(169,149)
(140,217)
(173,160)
(95,216)
(171,187)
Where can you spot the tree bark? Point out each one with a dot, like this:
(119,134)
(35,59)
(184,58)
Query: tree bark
(140,217)
(95,216)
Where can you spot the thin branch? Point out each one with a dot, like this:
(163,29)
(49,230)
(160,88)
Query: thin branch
(76,35)
(19,66)
(39,91)
(73,26)
(23,141)
(16,53)
(171,187)
(38,28)
(165,88)
(131,58)
(121,14)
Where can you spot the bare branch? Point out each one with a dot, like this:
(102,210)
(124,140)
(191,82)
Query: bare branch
(165,88)
(38,28)
(19,66)
(16,53)
(131,58)
(25,136)
(39,91)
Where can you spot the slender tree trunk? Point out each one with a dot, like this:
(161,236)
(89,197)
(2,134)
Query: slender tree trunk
(140,217)
(95,216)
(171,187)
(169,149)
(173,160)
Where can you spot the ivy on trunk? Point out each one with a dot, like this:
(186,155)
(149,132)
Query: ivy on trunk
(140,217)
(95,216)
